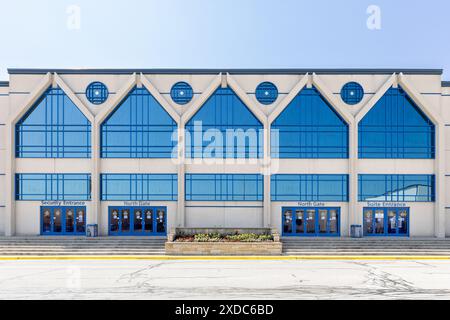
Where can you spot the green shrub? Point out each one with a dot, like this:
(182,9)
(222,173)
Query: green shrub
(245,237)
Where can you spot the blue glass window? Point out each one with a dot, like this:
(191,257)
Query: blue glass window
(226,129)
(53,187)
(309,128)
(53,128)
(395,128)
(224,187)
(139,128)
(181,93)
(352,93)
(139,187)
(305,187)
(396,188)
(266,93)
(97,93)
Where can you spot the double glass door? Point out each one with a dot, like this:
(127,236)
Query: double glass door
(386,222)
(137,221)
(63,220)
(314,222)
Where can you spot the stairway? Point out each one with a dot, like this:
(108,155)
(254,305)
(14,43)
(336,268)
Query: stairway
(67,246)
(366,246)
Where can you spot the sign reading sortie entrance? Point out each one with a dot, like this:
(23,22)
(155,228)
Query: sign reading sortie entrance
(387,204)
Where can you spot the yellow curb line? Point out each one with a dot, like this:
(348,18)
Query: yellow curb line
(193,258)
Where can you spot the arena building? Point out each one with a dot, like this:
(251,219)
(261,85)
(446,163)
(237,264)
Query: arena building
(307,152)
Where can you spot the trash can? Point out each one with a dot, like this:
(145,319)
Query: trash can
(92,231)
(356,231)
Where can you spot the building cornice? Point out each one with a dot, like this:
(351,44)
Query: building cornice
(230,71)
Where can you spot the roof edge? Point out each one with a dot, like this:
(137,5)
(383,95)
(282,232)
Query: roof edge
(446,84)
(4,83)
(231,71)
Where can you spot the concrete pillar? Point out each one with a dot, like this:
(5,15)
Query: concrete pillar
(96,212)
(10,203)
(354,217)
(439,214)
(266,168)
(181,215)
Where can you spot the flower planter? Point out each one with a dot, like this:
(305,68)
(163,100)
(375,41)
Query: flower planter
(263,248)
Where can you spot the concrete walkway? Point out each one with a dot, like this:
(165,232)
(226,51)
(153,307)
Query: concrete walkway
(237,279)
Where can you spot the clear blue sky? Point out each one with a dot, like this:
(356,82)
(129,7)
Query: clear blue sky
(224,34)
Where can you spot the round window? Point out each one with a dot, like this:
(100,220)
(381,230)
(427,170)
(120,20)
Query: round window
(352,93)
(181,93)
(266,93)
(97,93)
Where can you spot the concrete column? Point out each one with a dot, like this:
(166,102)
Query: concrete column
(354,216)
(181,215)
(439,214)
(96,212)
(10,203)
(267,221)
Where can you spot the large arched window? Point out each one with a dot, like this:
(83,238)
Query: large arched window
(309,128)
(395,128)
(224,128)
(53,128)
(139,128)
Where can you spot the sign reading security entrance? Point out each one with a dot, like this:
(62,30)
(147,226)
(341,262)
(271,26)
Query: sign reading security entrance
(64,203)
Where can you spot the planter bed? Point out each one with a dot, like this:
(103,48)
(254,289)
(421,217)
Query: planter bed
(223,242)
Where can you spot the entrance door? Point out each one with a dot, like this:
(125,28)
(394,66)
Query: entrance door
(137,221)
(314,222)
(386,222)
(63,221)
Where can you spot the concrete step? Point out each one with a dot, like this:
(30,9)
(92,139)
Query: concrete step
(365,253)
(22,254)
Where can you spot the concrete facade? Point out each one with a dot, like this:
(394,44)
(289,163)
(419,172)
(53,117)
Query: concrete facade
(424,87)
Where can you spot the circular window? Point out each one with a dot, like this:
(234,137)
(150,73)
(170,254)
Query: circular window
(181,93)
(266,93)
(352,93)
(97,93)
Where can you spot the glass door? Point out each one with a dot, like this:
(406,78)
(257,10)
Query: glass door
(160,220)
(334,222)
(148,220)
(368,221)
(403,222)
(314,222)
(386,222)
(63,221)
(287,221)
(300,221)
(46,221)
(311,221)
(379,221)
(70,220)
(323,221)
(137,221)
(81,220)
